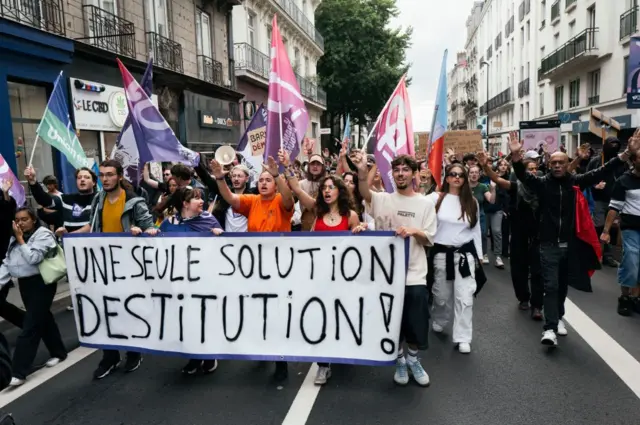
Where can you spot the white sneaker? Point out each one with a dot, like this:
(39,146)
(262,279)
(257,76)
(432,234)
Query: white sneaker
(16,382)
(419,374)
(437,328)
(464,347)
(562,329)
(323,375)
(499,263)
(70,308)
(549,338)
(485,259)
(53,361)
(401,377)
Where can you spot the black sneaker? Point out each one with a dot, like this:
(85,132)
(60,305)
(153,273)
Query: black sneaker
(282,371)
(536,314)
(523,305)
(625,306)
(611,262)
(636,304)
(133,362)
(104,369)
(192,367)
(209,366)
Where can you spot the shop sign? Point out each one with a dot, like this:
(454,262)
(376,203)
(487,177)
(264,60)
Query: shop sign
(104,110)
(211,120)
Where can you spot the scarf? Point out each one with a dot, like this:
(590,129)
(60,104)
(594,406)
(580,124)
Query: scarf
(200,223)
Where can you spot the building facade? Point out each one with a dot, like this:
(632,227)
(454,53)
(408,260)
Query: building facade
(190,42)
(252,44)
(457,93)
(554,59)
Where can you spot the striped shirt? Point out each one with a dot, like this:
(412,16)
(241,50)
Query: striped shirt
(75,207)
(625,199)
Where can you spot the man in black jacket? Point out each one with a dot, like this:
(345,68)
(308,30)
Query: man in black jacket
(557,230)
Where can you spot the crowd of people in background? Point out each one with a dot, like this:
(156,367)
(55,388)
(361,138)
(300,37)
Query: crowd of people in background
(524,207)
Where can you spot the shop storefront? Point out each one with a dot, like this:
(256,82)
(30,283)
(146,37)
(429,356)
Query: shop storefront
(99,112)
(30,61)
(210,122)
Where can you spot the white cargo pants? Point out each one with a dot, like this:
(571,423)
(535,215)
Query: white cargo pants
(454,297)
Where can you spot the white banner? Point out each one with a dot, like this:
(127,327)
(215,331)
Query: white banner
(329,297)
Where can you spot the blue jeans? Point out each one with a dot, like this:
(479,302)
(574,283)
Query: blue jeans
(483,229)
(629,270)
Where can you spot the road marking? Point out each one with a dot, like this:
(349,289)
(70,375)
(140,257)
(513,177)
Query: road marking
(303,403)
(43,375)
(616,357)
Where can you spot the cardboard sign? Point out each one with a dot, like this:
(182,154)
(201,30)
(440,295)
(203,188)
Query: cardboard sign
(463,141)
(257,140)
(263,296)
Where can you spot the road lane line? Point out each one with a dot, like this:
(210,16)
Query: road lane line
(43,375)
(303,403)
(616,357)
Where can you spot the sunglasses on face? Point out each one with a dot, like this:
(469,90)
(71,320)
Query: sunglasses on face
(455,175)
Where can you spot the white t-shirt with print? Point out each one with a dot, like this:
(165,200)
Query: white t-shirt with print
(234,222)
(393,210)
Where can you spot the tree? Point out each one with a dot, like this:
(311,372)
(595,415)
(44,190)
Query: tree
(364,57)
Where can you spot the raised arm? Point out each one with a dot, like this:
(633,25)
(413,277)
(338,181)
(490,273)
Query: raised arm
(146,176)
(223,189)
(532,182)
(360,162)
(287,196)
(594,177)
(41,197)
(483,160)
(305,200)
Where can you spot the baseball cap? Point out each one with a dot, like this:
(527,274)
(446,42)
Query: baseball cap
(531,155)
(316,158)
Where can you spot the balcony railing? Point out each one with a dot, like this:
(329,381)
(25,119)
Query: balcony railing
(166,52)
(210,70)
(510,27)
(47,15)
(569,3)
(523,88)
(629,22)
(497,101)
(594,100)
(311,91)
(248,58)
(109,32)
(299,17)
(578,45)
(555,11)
(498,41)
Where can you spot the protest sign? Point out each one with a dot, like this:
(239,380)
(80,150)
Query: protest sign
(463,141)
(331,297)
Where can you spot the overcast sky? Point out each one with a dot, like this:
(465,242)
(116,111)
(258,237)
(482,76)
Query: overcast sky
(437,25)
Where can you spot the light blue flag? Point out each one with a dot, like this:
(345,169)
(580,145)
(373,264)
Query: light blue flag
(347,132)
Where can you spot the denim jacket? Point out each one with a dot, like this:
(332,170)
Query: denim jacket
(23,260)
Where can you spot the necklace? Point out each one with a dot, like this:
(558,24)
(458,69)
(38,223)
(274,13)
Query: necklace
(332,218)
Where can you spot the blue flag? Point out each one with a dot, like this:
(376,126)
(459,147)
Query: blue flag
(347,132)
(97,171)
(126,150)
(154,138)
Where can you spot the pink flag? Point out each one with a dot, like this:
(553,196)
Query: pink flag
(17,190)
(287,117)
(392,133)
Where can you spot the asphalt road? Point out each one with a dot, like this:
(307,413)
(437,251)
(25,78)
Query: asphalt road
(509,378)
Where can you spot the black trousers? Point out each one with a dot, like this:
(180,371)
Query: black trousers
(111,357)
(554,262)
(8,311)
(506,235)
(525,260)
(38,324)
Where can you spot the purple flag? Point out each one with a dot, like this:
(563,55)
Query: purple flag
(17,190)
(287,117)
(126,151)
(155,140)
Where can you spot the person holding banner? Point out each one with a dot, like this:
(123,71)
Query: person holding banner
(269,211)
(117,209)
(30,243)
(455,256)
(413,216)
(191,217)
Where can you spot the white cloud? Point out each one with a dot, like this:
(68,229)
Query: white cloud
(437,25)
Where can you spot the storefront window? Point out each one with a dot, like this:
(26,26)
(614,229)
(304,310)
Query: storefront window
(110,140)
(90,142)
(27,105)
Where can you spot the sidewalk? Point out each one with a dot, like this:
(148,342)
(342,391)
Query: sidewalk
(61,300)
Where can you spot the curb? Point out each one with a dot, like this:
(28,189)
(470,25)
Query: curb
(60,303)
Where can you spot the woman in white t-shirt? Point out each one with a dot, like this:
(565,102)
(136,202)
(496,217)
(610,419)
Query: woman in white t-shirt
(455,256)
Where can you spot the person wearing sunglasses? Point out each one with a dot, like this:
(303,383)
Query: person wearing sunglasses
(455,257)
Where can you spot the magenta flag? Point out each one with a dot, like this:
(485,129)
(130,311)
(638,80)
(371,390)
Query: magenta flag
(17,190)
(287,116)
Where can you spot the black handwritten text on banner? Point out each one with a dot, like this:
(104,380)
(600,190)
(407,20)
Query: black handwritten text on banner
(293,297)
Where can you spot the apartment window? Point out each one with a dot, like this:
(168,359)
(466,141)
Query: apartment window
(522,36)
(269,32)
(542,104)
(559,98)
(574,93)
(296,60)
(528,30)
(594,87)
(251,28)
(109,5)
(157,17)
(314,130)
(306,66)
(528,68)
(521,112)
(526,111)
(592,16)
(521,72)
(572,28)
(624,74)
(203,34)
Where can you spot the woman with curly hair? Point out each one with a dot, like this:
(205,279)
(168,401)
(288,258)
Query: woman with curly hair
(351,181)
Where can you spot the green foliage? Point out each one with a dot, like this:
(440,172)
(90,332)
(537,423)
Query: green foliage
(364,57)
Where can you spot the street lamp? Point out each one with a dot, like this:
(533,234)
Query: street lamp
(485,63)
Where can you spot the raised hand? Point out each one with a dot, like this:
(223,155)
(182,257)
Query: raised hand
(216,169)
(515,144)
(271,166)
(7,185)
(360,160)
(30,174)
(283,158)
(483,158)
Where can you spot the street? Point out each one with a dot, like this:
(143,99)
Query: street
(509,378)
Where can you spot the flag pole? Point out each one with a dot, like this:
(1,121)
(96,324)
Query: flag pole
(35,142)
(33,150)
(366,142)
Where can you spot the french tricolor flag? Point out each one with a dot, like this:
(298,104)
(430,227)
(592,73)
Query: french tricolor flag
(435,148)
